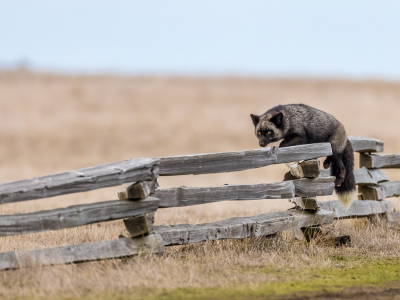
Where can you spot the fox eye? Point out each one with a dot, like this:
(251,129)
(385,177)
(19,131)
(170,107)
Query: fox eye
(269,132)
(259,133)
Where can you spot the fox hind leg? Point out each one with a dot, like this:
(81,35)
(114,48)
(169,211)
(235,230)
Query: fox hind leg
(340,171)
(328,162)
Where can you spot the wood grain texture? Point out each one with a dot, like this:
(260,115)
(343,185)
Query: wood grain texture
(379,160)
(305,168)
(378,175)
(363,175)
(303,152)
(380,191)
(139,225)
(186,196)
(84,252)
(138,190)
(239,160)
(238,228)
(141,169)
(362,208)
(311,187)
(324,172)
(309,203)
(310,168)
(363,144)
(76,215)
(217,162)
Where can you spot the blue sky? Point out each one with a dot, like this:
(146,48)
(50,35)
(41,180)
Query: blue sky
(220,37)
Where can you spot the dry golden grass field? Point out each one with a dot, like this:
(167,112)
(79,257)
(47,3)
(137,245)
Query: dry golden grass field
(53,123)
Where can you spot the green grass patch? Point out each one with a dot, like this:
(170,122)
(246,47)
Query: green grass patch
(347,272)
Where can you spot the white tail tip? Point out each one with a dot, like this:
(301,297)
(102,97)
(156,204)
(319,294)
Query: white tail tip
(346,199)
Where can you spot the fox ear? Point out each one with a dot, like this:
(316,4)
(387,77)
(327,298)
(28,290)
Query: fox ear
(277,119)
(255,119)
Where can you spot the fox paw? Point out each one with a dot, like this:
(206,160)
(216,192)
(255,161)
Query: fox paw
(327,164)
(339,181)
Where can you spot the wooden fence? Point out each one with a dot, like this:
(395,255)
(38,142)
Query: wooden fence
(138,202)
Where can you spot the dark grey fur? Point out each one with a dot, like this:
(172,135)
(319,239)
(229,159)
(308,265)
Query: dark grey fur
(299,124)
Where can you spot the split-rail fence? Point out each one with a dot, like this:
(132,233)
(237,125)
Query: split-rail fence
(142,197)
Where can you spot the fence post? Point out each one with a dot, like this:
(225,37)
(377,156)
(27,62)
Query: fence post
(143,224)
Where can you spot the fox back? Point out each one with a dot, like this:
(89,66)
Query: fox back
(299,124)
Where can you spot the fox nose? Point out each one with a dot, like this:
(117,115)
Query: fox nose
(262,144)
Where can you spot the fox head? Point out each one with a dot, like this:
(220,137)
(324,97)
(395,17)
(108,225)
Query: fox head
(268,127)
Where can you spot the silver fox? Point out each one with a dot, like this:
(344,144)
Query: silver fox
(299,124)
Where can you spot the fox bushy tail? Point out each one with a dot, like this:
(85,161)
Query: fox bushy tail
(347,190)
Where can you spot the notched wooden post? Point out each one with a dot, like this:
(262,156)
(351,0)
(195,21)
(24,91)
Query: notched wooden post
(138,190)
(380,191)
(305,203)
(140,225)
(304,168)
(301,171)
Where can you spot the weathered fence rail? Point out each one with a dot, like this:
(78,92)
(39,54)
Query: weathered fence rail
(239,160)
(152,243)
(305,181)
(357,209)
(186,196)
(363,144)
(74,216)
(364,175)
(380,160)
(82,180)
(238,228)
(380,191)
